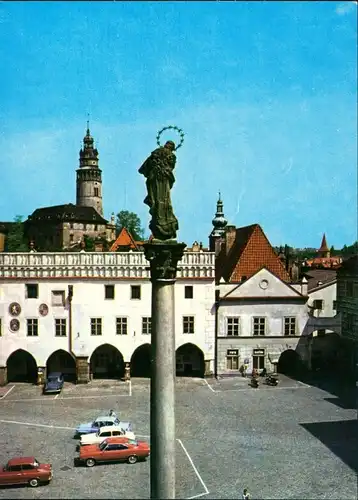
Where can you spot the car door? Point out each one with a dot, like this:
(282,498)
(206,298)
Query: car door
(15,475)
(105,434)
(116,452)
(27,472)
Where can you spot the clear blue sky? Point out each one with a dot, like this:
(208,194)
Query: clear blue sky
(265,92)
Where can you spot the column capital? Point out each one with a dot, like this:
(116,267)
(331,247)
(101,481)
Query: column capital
(163,257)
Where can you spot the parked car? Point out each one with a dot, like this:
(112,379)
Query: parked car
(104,433)
(25,470)
(54,383)
(102,421)
(115,449)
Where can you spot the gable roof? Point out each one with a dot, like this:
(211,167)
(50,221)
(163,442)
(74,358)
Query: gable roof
(252,289)
(67,212)
(250,252)
(314,276)
(125,239)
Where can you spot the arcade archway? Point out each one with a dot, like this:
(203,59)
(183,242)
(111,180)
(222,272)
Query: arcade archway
(289,362)
(62,361)
(107,362)
(141,361)
(21,367)
(190,361)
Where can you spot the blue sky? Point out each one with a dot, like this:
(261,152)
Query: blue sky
(265,92)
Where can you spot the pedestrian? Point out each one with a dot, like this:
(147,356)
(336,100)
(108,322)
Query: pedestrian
(246,495)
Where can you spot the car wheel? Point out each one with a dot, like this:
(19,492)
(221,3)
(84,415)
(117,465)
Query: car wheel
(132,459)
(34,482)
(90,462)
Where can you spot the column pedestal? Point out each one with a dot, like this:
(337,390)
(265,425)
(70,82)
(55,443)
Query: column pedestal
(82,370)
(163,258)
(41,375)
(3,375)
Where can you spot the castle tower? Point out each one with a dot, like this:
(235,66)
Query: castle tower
(217,235)
(89,176)
(324,252)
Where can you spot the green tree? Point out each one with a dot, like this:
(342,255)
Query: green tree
(15,240)
(130,221)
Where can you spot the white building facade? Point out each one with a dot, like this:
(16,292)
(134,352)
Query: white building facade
(88,314)
(260,324)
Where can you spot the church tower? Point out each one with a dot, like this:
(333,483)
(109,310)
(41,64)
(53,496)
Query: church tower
(217,235)
(89,176)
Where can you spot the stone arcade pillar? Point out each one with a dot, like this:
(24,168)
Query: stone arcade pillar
(3,375)
(41,375)
(82,369)
(163,257)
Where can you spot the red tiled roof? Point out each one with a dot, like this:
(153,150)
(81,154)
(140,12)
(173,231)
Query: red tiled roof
(125,239)
(250,252)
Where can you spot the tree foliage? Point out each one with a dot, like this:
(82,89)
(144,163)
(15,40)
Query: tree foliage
(131,222)
(15,240)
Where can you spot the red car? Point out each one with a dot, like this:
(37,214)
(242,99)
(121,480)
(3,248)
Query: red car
(115,449)
(25,470)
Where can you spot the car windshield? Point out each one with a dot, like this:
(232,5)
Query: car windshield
(103,445)
(133,441)
(36,464)
(52,379)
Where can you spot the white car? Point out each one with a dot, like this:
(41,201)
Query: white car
(104,433)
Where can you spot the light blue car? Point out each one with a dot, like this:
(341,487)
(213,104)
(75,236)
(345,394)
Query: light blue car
(102,420)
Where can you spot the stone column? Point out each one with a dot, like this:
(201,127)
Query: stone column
(163,257)
(82,369)
(127,372)
(208,371)
(3,375)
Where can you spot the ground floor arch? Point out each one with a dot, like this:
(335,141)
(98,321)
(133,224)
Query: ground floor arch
(107,363)
(62,361)
(289,362)
(21,367)
(190,361)
(141,361)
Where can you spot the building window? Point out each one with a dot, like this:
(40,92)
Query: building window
(71,238)
(32,291)
(290,326)
(96,326)
(259,326)
(121,326)
(232,326)
(96,191)
(189,292)
(109,292)
(334,306)
(232,359)
(146,326)
(135,292)
(318,304)
(188,324)
(60,327)
(32,327)
(58,297)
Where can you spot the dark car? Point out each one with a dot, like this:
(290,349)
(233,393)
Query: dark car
(54,383)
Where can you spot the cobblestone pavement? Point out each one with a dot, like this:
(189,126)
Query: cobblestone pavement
(290,441)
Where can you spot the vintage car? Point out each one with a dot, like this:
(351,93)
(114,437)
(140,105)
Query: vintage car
(54,383)
(25,470)
(104,433)
(102,421)
(115,449)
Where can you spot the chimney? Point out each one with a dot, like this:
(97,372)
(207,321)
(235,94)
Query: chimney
(304,286)
(230,236)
